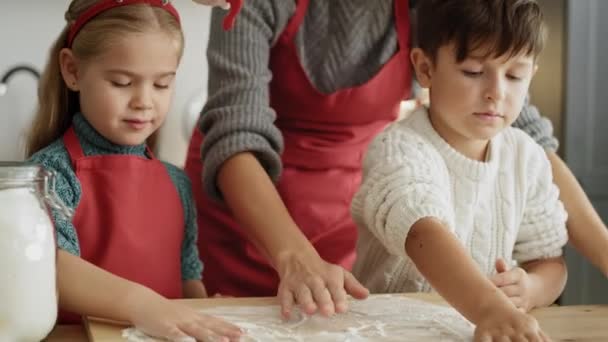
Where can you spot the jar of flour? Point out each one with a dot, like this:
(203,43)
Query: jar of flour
(28,295)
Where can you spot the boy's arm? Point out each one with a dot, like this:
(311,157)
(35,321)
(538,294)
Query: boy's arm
(587,232)
(454,275)
(444,262)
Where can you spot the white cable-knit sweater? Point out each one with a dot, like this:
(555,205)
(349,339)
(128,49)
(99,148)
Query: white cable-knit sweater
(506,207)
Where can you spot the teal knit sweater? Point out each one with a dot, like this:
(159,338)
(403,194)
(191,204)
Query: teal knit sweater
(55,157)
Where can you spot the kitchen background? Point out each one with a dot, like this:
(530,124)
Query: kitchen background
(568,89)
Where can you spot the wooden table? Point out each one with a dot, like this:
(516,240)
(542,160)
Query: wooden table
(563,323)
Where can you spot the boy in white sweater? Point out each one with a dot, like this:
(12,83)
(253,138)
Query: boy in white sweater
(452,194)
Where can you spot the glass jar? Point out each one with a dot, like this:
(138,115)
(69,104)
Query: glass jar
(28,294)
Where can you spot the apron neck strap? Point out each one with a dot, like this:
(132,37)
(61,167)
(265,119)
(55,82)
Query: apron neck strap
(296,20)
(403,23)
(72,145)
(74,148)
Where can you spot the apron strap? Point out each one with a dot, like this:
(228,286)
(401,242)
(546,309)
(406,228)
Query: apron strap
(72,145)
(149,153)
(296,20)
(403,22)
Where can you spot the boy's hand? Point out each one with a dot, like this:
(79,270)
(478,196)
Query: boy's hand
(508,325)
(515,283)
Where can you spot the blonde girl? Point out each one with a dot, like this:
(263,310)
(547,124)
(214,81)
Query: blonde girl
(131,244)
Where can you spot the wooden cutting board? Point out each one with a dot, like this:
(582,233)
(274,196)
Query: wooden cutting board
(566,323)
(106,331)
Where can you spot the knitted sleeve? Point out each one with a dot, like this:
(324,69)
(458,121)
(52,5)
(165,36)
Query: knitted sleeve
(404,180)
(237,116)
(55,158)
(537,126)
(542,233)
(192,266)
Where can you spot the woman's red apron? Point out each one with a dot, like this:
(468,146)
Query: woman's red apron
(129,220)
(326,136)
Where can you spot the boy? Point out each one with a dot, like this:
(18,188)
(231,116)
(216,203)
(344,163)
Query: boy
(452,194)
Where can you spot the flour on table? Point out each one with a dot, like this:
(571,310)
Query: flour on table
(379,318)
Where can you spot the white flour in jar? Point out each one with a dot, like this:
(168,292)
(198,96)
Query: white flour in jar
(28,298)
(379,318)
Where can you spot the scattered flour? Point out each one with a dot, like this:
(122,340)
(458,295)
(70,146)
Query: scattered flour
(379,318)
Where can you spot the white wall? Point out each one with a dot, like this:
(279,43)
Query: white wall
(27,29)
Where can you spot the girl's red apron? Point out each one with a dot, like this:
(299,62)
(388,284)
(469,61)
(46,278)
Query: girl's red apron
(326,137)
(129,220)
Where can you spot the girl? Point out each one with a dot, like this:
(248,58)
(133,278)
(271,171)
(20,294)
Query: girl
(132,241)
(452,192)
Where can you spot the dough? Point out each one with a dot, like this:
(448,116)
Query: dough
(379,318)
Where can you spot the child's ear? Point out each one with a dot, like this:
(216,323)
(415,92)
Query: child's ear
(69,68)
(422,67)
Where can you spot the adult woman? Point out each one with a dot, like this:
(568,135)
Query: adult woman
(332,74)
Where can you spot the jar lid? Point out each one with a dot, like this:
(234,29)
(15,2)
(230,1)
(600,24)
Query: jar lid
(15,174)
(21,171)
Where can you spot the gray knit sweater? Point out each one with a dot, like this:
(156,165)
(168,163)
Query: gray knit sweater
(341,43)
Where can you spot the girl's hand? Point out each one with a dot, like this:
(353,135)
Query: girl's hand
(221,3)
(515,283)
(508,325)
(160,317)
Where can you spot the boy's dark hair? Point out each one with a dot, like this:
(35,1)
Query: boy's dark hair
(502,26)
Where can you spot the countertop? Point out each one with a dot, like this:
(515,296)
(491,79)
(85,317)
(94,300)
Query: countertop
(562,323)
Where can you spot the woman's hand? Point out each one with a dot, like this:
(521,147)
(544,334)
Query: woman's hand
(220,3)
(315,285)
(160,317)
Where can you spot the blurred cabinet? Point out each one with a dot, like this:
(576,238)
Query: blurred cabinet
(547,87)
(586,130)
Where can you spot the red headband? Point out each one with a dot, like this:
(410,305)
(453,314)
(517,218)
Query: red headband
(105,5)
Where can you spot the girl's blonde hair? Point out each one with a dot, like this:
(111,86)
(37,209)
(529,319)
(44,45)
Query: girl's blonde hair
(57,104)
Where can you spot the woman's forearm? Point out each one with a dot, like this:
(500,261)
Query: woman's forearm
(257,206)
(586,231)
(548,280)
